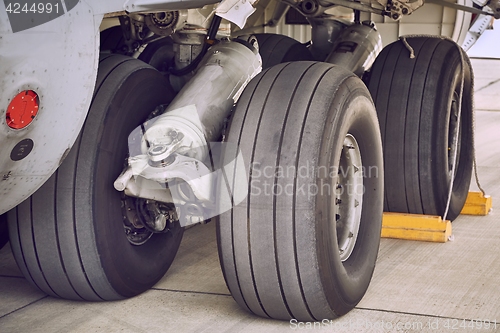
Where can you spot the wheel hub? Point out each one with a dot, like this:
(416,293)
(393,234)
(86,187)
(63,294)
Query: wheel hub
(135,232)
(143,218)
(348,197)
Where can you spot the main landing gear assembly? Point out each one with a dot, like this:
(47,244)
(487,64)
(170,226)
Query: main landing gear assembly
(300,196)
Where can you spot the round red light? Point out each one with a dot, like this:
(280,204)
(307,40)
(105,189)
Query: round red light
(22,109)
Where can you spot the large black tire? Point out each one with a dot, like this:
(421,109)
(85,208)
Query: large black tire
(276,49)
(279,248)
(417,103)
(4,231)
(68,238)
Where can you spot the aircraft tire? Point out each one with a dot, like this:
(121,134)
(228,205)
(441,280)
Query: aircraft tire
(287,251)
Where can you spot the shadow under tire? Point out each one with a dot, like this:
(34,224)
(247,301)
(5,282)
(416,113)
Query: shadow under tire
(279,249)
(276,49)
(68,238)
(417,102)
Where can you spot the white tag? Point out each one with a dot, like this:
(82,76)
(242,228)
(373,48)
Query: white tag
(235,11)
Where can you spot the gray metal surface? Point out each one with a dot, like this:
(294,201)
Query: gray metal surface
(417,286)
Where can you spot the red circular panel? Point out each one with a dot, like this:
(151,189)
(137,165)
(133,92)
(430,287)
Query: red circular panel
(22,109)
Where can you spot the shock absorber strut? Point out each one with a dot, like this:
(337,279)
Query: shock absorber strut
(356,48)
(175,145)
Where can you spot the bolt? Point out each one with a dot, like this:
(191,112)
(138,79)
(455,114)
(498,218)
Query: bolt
(172,134)
(338,201)
(169,160)
(405,11)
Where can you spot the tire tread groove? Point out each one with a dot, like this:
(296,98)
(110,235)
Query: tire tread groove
(250,189)
(232,212)
(36,253)
(275,183)
(294,199)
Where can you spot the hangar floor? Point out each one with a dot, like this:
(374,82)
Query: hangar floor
(417,286)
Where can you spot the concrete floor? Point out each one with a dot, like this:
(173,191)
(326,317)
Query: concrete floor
(417,286)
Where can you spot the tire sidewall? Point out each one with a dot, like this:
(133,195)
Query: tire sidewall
(130,269)
(356,116)
(441,176)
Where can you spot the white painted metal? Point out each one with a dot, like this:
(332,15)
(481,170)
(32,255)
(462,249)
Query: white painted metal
(481,23)
(190,170)
(58,60)
(199,109)
(236,11)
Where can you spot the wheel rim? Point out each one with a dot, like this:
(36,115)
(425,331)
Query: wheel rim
(348,197)
(454,135)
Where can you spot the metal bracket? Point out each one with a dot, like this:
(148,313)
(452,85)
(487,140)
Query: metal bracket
(397,9)
(480,24)
(490,12)
(190,170)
